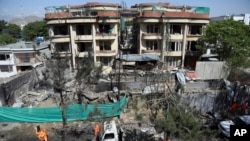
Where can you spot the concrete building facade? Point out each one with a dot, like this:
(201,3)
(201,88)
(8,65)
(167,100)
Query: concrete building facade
(170,31)
(21,56)
(76,30)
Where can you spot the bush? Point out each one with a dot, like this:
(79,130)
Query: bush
(180,122)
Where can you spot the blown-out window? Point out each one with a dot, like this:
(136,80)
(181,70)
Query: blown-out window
(6,68)
(152,45)
(62,47)
(4,56)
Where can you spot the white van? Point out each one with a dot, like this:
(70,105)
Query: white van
(110,132)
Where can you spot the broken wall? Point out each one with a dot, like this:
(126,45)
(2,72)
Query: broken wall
(13,88)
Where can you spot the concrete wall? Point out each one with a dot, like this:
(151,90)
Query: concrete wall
(201,101)
(211,70)
(13,88)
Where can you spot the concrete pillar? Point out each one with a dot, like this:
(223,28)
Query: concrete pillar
(184,40)
(164,38)
(72,47)
(94,42)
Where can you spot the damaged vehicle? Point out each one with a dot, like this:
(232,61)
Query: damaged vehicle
(224,126)
(110,131)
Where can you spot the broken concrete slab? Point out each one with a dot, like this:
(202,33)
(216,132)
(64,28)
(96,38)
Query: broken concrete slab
(33,93)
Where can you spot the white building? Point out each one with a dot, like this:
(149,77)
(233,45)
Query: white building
(21,56)
(245,18)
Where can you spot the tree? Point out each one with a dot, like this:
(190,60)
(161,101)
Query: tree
(14,30)
(2,25)
(230,40)
(59,81)
(87,73)
(34,29)
(6,39)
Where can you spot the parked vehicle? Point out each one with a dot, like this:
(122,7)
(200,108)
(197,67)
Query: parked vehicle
(110,131)
(224,126)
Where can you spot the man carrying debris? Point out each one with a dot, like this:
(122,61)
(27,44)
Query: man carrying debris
(96,131)
(41,134)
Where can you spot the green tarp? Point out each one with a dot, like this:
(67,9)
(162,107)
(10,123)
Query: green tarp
(157,8)
(53,114)
(202,10)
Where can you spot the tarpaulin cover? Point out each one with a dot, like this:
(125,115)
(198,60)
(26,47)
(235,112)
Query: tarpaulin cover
(53,114)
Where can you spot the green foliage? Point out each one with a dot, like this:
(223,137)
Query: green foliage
(34,29)
(6,39)
(230,39)
(180,122)
(14,30)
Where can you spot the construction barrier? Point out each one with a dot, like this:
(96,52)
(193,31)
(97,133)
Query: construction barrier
(53,114)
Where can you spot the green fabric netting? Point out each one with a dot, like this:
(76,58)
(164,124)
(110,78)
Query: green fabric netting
(53,114)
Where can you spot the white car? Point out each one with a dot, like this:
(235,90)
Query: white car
(224,126)
(110,131)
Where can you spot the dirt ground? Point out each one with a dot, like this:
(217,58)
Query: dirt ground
(77,131)
(26,132)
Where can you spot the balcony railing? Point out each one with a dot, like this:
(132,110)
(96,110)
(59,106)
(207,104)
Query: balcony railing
(151,51)
(105,51)
(151,36)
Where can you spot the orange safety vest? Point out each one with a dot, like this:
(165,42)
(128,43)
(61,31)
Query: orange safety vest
(42,135)
(96,129)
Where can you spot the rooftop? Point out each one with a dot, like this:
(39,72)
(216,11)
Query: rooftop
(23,45)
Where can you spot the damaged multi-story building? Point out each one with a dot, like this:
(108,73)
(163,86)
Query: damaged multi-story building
(21,56)
(76,30)
(169,31)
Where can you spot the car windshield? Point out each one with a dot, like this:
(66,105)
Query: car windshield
(238,121)
(109,136)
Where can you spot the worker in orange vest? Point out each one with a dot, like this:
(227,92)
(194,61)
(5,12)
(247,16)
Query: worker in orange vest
(41,134)
(96,130)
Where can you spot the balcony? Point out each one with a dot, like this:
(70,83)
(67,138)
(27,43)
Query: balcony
(25,62)
(60,38)
(106,36)
(194,35)
(151,51)
(83,38)
(82,54)
(151,36)
(105,52)
(172,53)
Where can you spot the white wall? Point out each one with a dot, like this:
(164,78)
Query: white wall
(10,62)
